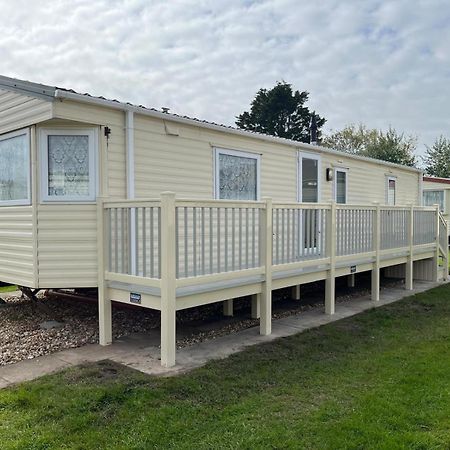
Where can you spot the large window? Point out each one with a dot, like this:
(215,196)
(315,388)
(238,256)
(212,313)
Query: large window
(340,185)
(431,198)
(15,168)
(68,161)
(237,175)
(309,177)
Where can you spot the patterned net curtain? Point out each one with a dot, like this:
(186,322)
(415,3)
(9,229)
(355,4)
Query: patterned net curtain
(68,166)
(14,168)
(237,177)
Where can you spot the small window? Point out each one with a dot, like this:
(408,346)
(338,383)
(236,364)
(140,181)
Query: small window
(340,185)
(15,168)
(431,198)
(237,175)
(68,165)
(391,186)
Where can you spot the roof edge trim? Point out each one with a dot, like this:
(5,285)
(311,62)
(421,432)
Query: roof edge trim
(63,94)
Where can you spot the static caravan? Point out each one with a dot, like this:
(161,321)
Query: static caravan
(170,212)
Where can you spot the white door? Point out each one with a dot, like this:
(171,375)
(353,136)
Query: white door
(309,192)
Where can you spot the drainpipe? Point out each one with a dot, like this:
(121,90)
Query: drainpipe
(129,148)
(313,130)
(420,188)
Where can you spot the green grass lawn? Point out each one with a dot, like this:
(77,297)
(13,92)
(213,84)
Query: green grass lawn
(378,380)
(8,288)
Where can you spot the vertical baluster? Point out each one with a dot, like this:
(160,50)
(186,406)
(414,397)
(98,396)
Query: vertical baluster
(211,241)
(308,232)
(152,243)
(122,241)
(203,240)
(240,238)
(247,229)
(283,237)
(226,240)
(218,240)
(233,238)
(194,240)
(136,233)
(277,235)
(359,244)
(254,237)
(159,241)
(144,242)
(294,243)
(116,240)
(186,243)
(288,234)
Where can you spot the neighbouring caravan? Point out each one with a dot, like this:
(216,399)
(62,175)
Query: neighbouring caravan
(436,190)
(85,201)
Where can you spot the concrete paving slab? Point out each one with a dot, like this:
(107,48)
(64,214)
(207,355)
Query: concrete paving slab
(34,368)
(142,352)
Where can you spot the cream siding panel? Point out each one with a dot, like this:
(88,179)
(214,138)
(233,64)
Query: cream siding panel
(67,245)
(114,119)
(19,111)
(184,164)
(16,245)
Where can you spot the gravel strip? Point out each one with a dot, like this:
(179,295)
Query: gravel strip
(21,335)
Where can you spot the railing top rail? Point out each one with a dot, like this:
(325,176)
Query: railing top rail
(425,208)
(356,206)
(200,203)
(140,203)
(294,205)
(219,203)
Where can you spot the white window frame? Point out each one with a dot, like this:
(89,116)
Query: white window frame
(26,201)
(317,157)
(224,151)
(343,170)
(389,178)
(444,211)
(92,134)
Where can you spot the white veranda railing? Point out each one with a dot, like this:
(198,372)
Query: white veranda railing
(218,236)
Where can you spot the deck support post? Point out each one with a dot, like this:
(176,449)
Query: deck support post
(351,280)
(296,292)
(228,307)
(375,282)
(330,282)
(409,272)
(104,303)
(266,237)
(256,302)
(168,280)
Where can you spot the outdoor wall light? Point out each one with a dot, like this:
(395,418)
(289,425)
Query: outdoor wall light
(329,174)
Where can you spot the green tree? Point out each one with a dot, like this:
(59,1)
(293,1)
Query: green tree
(437,158)
(280,112)
(388,146)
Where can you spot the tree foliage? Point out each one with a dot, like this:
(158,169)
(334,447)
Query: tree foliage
(280,112)
(437,158)
(388,146)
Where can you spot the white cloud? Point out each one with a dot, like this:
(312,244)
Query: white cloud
(380,63)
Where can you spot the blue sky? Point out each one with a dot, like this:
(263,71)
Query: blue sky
(381,63)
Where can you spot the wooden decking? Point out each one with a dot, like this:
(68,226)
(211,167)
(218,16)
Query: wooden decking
(171,254)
